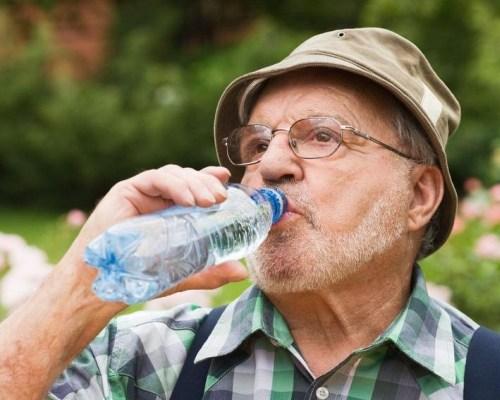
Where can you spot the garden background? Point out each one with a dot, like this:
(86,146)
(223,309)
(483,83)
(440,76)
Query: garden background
(95,91)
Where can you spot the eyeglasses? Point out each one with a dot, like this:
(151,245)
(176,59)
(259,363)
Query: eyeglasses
(309,138)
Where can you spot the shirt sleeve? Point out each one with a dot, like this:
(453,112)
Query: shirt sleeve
(139,355)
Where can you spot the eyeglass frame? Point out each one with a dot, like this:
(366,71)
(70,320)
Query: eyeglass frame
(343,127)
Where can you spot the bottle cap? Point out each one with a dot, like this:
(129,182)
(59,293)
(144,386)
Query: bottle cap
(277,199)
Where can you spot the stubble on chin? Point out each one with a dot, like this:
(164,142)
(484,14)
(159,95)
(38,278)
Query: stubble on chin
(307,257)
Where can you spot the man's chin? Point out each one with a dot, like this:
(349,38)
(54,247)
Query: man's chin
(282,276)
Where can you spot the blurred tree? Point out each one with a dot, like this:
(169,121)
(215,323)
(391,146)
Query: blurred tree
(94,91)
(325,15)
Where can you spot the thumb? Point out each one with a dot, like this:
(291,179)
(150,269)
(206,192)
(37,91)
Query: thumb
(212,277)
(232,271)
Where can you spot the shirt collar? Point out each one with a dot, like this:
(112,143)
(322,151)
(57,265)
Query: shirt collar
(422,331)
(250,313)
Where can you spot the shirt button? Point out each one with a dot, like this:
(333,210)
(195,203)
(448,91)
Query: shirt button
(322,393)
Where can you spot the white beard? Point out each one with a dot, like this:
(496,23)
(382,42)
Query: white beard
(308,257)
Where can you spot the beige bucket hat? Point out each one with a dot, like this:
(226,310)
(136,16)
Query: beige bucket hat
(380,55)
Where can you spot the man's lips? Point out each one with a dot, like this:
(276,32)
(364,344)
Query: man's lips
(291,211)
(292,207)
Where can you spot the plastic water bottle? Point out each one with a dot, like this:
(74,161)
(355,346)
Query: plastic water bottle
(141,257)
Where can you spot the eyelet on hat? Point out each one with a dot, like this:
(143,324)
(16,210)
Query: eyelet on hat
(340,35)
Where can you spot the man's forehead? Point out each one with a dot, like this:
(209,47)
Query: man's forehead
(313,93)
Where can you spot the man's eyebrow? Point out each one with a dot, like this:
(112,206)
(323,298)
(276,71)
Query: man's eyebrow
(340,118)
(311,112)
(314,112)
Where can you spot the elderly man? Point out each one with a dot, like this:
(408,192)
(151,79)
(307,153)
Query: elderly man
(352,127)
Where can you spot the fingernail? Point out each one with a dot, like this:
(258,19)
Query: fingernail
(210,197)
(190,199)
(221,191)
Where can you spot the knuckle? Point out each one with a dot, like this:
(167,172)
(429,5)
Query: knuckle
(125,189)
(120,186)
(142,175)
(170,168)
(209,170)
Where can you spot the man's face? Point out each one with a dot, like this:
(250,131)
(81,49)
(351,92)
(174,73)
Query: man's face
(347,210)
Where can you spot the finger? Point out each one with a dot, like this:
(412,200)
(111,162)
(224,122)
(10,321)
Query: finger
(221,173)
(203,194)
(207,189)
(164,184)
(217,186)
(206,186)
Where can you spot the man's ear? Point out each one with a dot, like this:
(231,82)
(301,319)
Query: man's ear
(427,195)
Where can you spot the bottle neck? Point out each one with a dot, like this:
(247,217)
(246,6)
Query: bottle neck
(277,199)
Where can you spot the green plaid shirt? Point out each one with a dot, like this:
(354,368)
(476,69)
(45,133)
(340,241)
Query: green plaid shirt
(420,356)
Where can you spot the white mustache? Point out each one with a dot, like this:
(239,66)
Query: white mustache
(302,201)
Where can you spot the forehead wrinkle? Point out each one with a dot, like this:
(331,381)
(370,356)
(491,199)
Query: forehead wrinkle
(346,95)
(321,111)
(266,117)
(344,99)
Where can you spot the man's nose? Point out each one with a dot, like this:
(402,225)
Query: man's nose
(279,161)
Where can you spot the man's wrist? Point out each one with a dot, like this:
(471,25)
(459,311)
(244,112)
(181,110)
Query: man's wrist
(77,279)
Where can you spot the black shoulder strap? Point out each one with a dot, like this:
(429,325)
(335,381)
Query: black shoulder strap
(191,382)
(482,368)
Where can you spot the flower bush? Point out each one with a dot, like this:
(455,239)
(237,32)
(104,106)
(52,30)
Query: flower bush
(22,267)
(469,263)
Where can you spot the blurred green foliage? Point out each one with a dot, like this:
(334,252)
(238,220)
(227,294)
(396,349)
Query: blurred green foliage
(65,141)
(43,229)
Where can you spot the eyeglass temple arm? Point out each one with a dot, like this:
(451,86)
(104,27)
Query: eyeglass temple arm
(372,139)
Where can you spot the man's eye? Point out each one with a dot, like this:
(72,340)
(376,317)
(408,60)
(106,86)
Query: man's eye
(260,147)
(322,136)
(254,149)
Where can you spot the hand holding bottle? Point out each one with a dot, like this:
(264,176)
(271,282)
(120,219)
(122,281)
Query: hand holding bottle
(154,190)
(143,256)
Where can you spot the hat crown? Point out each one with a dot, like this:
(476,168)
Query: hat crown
(398,61)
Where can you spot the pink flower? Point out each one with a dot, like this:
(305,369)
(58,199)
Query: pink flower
(28,259)
(472,184)
(76,218)
(28,266)
(3,261)
(492,214)
(439,292)
(495,192)
(17,285)
(11,243)
(488,246)
(471,209)
(458,225)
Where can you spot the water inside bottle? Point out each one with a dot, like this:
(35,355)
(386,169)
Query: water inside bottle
(233,238)
(144,256)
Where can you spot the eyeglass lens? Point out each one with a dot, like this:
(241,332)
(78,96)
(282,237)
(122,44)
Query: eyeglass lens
(308,138)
